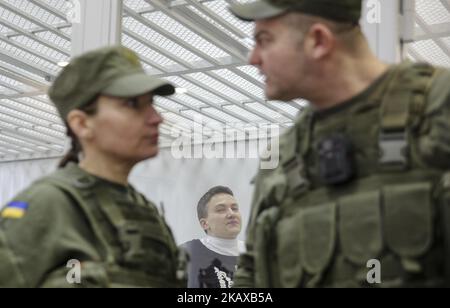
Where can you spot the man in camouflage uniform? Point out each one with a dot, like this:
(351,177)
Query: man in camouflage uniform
(363,180)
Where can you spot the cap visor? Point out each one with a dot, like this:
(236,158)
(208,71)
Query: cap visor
(138,84)
(255,10)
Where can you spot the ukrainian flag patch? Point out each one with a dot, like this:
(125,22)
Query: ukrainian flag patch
(15,210)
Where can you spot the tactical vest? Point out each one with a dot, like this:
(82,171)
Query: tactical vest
(310,234)
(136,245)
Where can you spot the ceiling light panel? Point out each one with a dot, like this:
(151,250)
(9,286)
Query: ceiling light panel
(5,30)
(253,72)
(212,22)
(16,69)
(15,144)
(240,82)
(55,39)
(46,107)
(11,82)
(36,46)
(137,5)
(184,34)
(269,112)
(242,112)
(204,117)
(27,150)
(146,51)
(220,7)
(30,57)
(50,132)
(7,91)
(35,11)
(66,30)
(21,119)
(222,115)
(178,120)
(39,116)
(285,107)
(166,103)
(432,11)
(40,136)
(12,119)
(431,52)
(149,69)
(164,43)
(194,89)
(43,97)
(61,6)
(16,141)
(158,108)
(6,125)
(172,129)
(218,86)
(15,84)
(13,151)
(16,20)
(185,98)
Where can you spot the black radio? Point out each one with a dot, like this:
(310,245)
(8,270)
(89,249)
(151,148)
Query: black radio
(336,159)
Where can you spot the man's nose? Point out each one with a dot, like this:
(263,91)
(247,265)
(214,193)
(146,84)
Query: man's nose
(254,58)
(230,213)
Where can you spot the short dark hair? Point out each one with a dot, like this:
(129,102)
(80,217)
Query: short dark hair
(348,32)
(202,210)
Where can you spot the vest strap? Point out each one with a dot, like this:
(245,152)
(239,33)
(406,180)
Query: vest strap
(403,103)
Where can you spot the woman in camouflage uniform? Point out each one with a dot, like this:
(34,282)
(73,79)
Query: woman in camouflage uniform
(85,225)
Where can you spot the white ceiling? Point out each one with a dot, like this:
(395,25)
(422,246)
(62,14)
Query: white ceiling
(432,32)
(197,45)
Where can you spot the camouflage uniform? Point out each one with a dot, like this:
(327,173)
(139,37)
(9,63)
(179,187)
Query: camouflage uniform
(367,179)
(115,233)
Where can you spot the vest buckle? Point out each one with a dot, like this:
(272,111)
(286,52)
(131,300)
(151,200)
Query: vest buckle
(393,149)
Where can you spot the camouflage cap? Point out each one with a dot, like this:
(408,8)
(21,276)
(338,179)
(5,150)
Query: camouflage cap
(114,71)
(336,10)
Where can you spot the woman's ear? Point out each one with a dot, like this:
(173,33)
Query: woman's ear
(79,123)
(319,41)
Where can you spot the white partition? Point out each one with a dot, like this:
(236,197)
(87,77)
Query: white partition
(177,183)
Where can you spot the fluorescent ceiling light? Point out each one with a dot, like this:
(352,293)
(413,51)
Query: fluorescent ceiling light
(63,63)
(181,90)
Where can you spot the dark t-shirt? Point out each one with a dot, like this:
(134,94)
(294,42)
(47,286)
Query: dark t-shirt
(208,269)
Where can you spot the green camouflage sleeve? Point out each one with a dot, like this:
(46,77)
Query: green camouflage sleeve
(270,186)
(40,231)
(434,140)
(244,276)
(434,145)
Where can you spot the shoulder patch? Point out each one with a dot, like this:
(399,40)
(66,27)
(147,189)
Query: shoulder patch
(15,210)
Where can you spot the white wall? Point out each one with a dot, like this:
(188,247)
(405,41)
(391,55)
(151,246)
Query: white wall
(15,176)
(181,183)
(382,24)
(177,183)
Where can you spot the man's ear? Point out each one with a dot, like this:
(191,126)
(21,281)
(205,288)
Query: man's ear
(79,123)
(204,224)
(319,41)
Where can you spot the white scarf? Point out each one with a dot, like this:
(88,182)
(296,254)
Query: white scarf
(222,246)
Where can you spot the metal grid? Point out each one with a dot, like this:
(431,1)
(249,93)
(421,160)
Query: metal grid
(431,33)
(195,44)
(34,38)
